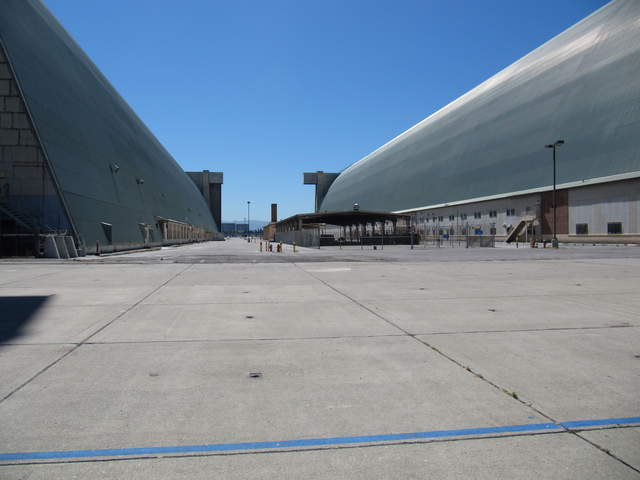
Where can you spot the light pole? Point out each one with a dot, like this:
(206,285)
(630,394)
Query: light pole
(248,220)
(558,143)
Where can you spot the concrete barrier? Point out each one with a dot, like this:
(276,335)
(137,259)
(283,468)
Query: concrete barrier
(71,246)
(62,246)
(50,247)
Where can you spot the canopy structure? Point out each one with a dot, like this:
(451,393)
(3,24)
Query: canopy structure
(342,219)
(349,227)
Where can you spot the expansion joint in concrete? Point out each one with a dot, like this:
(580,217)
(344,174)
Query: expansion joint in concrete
(79,344)
(27,279)
(507,392)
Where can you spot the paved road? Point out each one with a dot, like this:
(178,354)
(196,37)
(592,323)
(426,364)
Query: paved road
(238,251)
(431,363)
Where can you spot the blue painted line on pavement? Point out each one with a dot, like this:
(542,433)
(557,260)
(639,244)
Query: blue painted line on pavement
(310,442)
(602,421)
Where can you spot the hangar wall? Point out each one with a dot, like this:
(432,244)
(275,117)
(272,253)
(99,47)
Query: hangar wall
(599,213)
(118,185)
(597,208)
(491,217)
(581,86)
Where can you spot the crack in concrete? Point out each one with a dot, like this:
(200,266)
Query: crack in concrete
(323,337)
(27,279)
(476,374)
(78,345)
(519,330)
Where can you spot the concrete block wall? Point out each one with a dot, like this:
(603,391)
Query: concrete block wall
(21,159)
(24,178)
(15,128)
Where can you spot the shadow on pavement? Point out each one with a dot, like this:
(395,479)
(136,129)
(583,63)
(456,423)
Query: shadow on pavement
(16,313)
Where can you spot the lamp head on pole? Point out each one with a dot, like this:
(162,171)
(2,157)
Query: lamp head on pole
(556,144)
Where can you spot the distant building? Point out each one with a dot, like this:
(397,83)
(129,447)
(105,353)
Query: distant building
(230,229)
(480,163)
(210,186)
(75,159)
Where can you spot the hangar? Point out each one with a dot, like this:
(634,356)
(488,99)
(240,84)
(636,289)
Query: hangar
(481,162)
(75,159)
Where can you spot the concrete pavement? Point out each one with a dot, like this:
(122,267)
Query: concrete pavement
(478,355)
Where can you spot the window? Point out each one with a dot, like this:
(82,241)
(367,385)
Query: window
(582,229)
(452,217)
(463,216)
(492,231)
(614,227)
(493,213)
(440,218)
(511,212)
(477,215)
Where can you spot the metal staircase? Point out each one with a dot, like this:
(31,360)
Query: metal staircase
(520,227)
(30,223)
(25,221)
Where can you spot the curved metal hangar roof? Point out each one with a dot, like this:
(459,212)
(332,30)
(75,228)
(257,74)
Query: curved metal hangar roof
(110,168)
(582,86)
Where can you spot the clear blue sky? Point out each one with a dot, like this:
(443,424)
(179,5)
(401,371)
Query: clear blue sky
(264,90)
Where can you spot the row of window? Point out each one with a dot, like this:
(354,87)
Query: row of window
(477,231)
(581,228)
(510,212)
(612,228)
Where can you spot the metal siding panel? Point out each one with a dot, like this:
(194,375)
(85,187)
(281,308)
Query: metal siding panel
(599,204)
